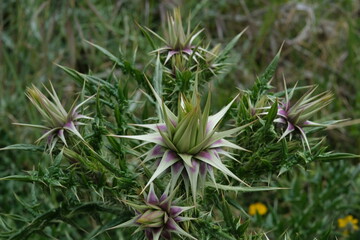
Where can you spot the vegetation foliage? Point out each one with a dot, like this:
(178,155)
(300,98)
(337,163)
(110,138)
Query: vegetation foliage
(167,131)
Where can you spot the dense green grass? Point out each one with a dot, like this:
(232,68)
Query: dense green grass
(321,47)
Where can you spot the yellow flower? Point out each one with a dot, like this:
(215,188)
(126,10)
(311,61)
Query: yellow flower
(349,224)
(259,208)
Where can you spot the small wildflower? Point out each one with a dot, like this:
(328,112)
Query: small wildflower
(57,120)
(159,217)
(257,208)
(348,224)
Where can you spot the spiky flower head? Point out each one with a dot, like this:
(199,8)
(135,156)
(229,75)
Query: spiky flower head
(188,143)
(296,115)
(57,121)
(158,217)
(176,41)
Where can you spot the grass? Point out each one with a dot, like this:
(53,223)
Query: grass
(321,47)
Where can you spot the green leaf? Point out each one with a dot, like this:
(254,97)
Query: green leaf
(58,158)
(272,113)
(157,82)
(262,83)
(270,70)
(230,46)
(116,223)
(25,147)
(333,156)
(107,53)
(63,213)
(236,205)
(243,189)
(228,215)
(147,36)
(22,178)
(243,227)
(95,82)
(211,230)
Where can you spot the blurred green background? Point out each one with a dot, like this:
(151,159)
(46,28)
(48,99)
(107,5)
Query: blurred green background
(321,46)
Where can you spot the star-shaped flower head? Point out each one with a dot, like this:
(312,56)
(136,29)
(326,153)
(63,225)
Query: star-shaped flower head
(296,115)
(176,41)
(159,217)
(188,144)
(57,121)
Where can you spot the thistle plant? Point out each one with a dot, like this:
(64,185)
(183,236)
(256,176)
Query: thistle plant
(176,41)
(296,115)
(160,217)
(183,149)
(58,122)
(280,116)
(184,56)
(188,143)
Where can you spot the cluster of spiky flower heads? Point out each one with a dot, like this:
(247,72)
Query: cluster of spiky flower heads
(188,144)
(158,217)
(295,115)
(57,121)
